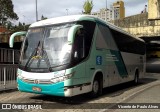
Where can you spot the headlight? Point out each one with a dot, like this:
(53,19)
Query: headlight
(19,76)
(68,76)
(63,78)
(55,80)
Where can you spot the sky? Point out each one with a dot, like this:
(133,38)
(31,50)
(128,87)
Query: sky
(26,9)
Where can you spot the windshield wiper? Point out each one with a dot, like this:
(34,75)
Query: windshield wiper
(45,57)
(40,55)
(33,54)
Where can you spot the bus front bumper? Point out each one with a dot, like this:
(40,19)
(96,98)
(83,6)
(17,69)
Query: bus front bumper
(48,89)
(57,89)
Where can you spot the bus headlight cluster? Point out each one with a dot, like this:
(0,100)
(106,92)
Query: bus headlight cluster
(63,78)
(19,76)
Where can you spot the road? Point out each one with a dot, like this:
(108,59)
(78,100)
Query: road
(146,91)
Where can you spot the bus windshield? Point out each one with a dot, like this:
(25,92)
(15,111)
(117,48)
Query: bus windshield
(46,47)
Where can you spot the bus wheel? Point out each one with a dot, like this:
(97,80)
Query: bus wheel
(136,78)
(96,88)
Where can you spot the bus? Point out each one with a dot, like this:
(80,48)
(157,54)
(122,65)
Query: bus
(71,55)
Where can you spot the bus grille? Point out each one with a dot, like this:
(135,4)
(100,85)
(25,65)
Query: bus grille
(34,81)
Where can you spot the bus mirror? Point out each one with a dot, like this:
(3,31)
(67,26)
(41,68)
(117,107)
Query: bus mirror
(11,40)
(72,33)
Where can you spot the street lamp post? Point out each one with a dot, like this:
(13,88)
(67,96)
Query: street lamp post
(106,4)
(36,12)
(24,21)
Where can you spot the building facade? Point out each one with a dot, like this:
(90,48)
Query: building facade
(104,14)
(118,10)
(154,9)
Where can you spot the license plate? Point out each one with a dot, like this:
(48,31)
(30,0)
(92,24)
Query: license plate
(37,89)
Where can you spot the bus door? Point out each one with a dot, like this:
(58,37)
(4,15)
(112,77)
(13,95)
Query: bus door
(79,56)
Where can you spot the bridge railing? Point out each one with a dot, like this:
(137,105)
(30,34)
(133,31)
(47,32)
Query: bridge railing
(9,56)
(8,76)
(9,59)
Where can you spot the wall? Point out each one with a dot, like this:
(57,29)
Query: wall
(153,9)
(139,25)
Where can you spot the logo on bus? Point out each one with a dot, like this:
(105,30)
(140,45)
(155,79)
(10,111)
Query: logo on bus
(36,81)
(99,60)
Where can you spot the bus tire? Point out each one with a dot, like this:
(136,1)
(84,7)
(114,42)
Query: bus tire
(136,78)
(96,88)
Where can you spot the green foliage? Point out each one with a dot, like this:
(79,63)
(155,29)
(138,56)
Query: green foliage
(88,6)
(43,18)
(20,27)
(7,12)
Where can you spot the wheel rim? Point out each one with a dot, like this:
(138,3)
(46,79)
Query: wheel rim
(95,87)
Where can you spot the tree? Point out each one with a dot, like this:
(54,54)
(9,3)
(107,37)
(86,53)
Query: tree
(7,12)
(20,27)
(9,25)
(88,5)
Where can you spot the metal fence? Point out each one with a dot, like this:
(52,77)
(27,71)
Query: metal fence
(9,59)
(8,76)
(9,56)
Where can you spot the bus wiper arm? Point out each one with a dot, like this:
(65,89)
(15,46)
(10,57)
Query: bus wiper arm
(45,57)
(47,61)
(33,54)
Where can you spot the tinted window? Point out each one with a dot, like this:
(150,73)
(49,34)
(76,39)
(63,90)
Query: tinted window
(104,38)
(127,43)
(83,41)
(89,28)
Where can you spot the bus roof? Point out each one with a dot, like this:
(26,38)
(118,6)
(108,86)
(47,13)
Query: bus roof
(63,19)
(73,18)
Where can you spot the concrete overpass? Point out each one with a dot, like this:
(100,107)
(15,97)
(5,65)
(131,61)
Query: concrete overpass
(139,25)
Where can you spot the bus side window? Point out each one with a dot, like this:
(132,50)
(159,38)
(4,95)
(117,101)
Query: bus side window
(79,46)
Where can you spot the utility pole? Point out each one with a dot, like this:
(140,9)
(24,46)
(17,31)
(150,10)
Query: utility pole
(67,11)
(106,4)
(36,12)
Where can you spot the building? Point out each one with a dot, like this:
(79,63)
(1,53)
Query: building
(118,10)
(4,34)
(104,14)
(154,9)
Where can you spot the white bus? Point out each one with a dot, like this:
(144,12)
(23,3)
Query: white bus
(72,55)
